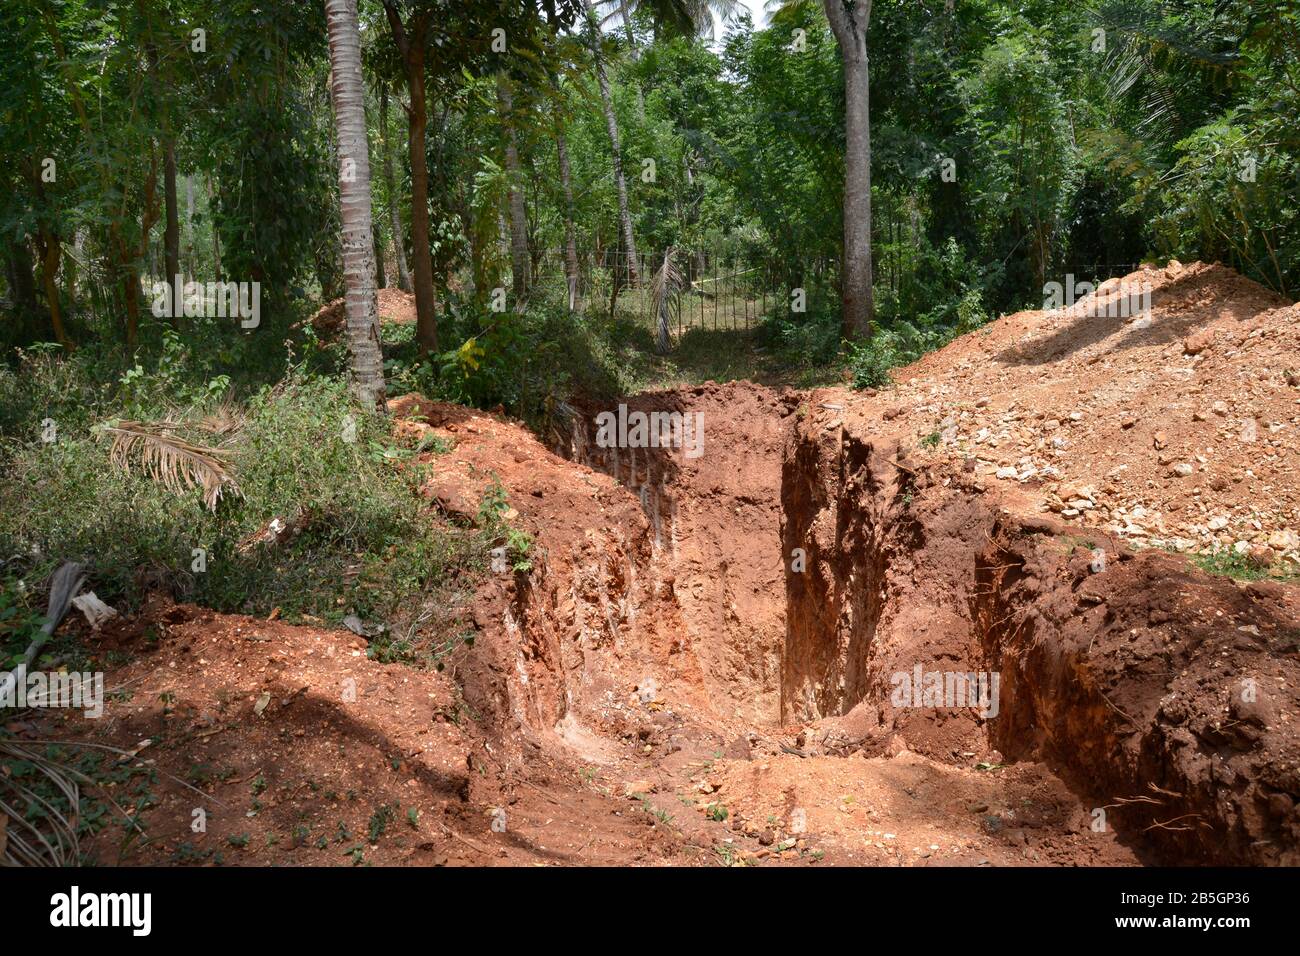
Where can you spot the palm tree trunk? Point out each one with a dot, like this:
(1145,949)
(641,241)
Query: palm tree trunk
(399,250)
(626,17)
(519,262)
(611,121)
(849,24)
(570,235)
(349,97)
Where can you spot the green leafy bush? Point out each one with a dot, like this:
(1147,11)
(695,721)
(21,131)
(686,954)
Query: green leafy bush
(888,348)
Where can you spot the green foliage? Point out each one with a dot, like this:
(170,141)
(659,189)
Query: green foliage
(493,518)
(1235,200)
(524,362)
(888,348)
(379,821)
(20,622)
(1242,567)
(363,547)
(809,340)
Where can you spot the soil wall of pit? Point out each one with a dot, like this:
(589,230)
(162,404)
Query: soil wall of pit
(787,576)
(714,513)
(1164,694)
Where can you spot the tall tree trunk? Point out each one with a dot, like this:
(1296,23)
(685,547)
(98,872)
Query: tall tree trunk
(519,262)
(611,122)
(426,298)
(47,243)
(188,231)
(849,20)
(129,259)
(22,286)
(399,250)
(49,247)
(212,222)
(172,231)
(626,17)
(130,299)
(349,100)
(411,46)
(72,263)
(381,270)
(570,234)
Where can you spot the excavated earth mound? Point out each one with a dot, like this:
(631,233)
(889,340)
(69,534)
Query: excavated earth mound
(395,306)
(942,623)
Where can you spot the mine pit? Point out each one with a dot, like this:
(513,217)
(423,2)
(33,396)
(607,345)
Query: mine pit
(756,654)
(815,576)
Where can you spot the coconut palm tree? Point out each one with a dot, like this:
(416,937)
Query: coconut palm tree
(348,96)
(616,150)
(673,17)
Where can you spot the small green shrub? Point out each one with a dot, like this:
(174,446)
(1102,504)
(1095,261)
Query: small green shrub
(870,362)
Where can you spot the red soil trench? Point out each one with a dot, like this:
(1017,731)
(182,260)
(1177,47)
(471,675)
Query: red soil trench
(703,664)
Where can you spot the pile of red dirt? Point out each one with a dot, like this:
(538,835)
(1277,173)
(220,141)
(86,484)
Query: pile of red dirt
(265,743)
(1174,427)
(395,307)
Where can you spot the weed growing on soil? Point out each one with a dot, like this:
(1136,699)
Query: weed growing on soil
(494,512)
(1240,567)
(379,821)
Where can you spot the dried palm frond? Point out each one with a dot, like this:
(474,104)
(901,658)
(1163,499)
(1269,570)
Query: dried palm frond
(170,460)
(52,840)
(50,837)
(225,420)
(664,287)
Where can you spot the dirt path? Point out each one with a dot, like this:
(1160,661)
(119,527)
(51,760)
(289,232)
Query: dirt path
(783,650)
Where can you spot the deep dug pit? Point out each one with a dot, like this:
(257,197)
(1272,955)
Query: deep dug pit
(1160,694)
(730,633)
(664,686)
(775,589)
